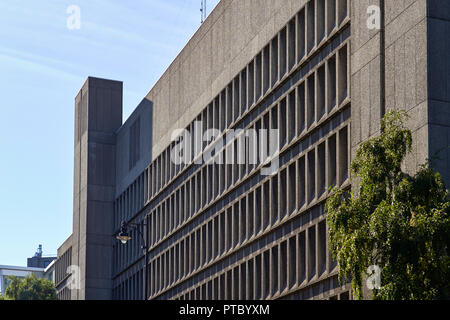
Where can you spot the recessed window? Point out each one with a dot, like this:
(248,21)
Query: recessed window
(310,24)
(301,32)
(283,52)
(134,143)
(311,252)
(292,35)
(274,60)
(342,75)
(320,20)
(311,100)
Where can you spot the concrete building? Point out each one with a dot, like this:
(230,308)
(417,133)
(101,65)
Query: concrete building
(49,271)
(22,272)
(39,260)
(319,73)
(39,265)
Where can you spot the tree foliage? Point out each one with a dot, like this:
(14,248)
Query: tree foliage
(399,222)
(30,288)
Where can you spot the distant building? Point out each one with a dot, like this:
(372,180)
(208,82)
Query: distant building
(41,267)
(49,271)
(20,272)
(38,260)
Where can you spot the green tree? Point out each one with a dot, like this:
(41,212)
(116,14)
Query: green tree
(398,222)
(30,288)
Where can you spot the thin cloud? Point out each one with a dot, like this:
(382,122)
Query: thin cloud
(29,65)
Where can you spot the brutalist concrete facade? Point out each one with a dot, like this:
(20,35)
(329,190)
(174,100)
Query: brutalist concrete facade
(315,71)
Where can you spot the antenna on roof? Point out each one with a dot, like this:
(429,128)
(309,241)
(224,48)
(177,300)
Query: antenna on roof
(203,11)
(39,251)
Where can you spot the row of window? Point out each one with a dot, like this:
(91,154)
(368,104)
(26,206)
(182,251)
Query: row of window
(283,267)
(284,52)
(129,289)
(124,254)
(130,201)
(296,113)
(262,74)
(211,181)
(307,179)
(64,294)
(61,265)
(293,189)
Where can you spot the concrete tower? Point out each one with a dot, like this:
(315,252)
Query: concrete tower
(98,115)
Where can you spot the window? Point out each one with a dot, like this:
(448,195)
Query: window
(243,220)
(250,215)
(236,111)
(311,252)
(321,92)
(301,32)
(310,98)
(322,246)
(274,199)
(331,15)
(266,68)
(283,52)
(291,117)
(342,10)
(274,270)
(342,74)
(258,277)
(283,266)
(310,21)
(331,83)
(292,189)
(250,277)
(301,117)
(266,273)
(258,211)
(283,194)
(321,169)
(274,60)
(292,43)
(332,161)
(292,252)
(134,143)
(229,105)
(343,155)
(283,124)
(251,83)
(243,91)
(311,175)
(301,182)
(320,20)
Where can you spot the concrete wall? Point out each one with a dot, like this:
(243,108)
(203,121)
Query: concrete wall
(406,71)
(98,115)
(61,270)
(64,246)
(124,175)
(230,37)
(438,46)
(417,57)
(406,68)
(365,75)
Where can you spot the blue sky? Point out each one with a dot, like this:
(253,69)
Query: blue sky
(43,64)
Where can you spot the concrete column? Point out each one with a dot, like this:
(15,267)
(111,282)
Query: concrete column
(98,115)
